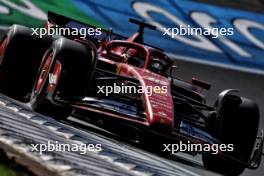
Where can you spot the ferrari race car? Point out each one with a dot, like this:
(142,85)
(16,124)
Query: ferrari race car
(126,82)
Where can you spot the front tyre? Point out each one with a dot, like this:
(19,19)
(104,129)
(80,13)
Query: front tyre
(238,125)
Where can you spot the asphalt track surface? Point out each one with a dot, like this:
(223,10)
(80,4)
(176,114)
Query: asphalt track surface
(250,85)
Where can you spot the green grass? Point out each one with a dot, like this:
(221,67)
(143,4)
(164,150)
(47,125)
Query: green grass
(5,171)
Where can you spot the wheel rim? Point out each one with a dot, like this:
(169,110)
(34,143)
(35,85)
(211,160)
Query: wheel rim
(43,72)
(54,77)
(2,49)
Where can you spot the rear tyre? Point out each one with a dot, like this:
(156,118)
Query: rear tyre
(20,57)
(63,75)
(238,125)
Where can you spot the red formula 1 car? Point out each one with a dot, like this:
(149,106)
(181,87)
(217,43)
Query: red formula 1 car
(110,78)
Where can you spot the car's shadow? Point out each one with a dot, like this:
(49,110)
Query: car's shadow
(180,158)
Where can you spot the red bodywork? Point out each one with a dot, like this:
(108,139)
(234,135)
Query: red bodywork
(159,107)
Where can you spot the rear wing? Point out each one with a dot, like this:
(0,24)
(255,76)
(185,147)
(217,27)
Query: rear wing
(66,22)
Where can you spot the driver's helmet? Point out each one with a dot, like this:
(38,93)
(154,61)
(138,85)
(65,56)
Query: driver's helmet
(156,65)
(135,57)
(133,53)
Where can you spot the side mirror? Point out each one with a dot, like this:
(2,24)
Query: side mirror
(173,67)
(202,84)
